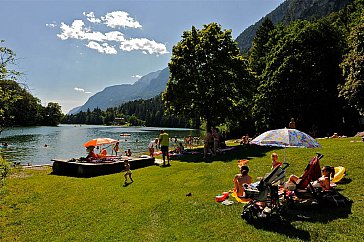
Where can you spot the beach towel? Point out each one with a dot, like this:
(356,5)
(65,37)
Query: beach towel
(240,199)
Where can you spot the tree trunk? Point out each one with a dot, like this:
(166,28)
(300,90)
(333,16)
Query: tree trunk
(208,125)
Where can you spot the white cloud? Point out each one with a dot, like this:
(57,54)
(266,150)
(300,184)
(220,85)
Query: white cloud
(77,89)
(101,41)
(115,36)
(52,25)
(118,19)
(75,31)
(103,48)
(146,45)
(136,76)
(91,17)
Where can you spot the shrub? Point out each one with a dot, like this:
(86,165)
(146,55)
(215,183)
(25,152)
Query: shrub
(4,169)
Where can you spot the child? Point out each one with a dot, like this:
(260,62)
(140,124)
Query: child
(151,147)
(127,171)
(275,161)
(129,152)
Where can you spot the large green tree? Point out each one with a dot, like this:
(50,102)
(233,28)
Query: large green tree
(7,96)
(353,70)
(260,46)
(300,79)
(26,110)
(52,114)
(209,78)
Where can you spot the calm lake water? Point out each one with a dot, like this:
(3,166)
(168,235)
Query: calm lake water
(27,144)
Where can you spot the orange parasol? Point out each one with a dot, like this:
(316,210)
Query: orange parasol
(99,141)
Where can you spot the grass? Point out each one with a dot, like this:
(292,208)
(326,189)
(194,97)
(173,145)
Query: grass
(38,206)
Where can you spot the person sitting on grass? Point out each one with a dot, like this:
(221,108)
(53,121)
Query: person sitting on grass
(275,161)
(241,179)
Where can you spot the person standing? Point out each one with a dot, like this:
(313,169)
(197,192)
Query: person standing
(292,124)
(151,146)
(163,142)
(208,144)
(216,137)
(127,171)
(115,149)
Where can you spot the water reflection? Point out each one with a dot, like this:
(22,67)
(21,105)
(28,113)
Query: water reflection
(38,145)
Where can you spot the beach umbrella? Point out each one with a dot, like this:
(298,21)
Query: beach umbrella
(285,138)
(99,141)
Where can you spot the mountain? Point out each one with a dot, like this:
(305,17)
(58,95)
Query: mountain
(146,87)
(291,10)
(74,110)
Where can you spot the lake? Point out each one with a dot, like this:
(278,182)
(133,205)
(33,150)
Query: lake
(27,144)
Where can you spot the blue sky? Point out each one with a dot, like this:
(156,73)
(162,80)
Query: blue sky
(69,50)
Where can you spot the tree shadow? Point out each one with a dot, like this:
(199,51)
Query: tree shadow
(236,152)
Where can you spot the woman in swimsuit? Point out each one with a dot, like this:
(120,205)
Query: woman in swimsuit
(241,179)
(324,180)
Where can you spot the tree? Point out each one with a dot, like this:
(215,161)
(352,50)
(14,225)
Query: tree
(209,79)
(52,114)
(353,70)
(260,48)
(7,57)
(300,79)
(7,96)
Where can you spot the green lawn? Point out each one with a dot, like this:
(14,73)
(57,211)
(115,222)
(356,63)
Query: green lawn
(38,206)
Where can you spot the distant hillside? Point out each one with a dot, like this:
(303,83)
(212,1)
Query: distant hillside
(74,110)
(292,10)
(146,87)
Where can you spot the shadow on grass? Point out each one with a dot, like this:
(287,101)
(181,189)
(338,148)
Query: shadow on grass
(127,183)
(344,181)
(318,214)
(238,152)
(282,227)
(310,214)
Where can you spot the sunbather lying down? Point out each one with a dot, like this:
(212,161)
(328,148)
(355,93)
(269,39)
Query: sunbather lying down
(241,179)
(323,181)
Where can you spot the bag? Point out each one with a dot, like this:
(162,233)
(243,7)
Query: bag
(333,198)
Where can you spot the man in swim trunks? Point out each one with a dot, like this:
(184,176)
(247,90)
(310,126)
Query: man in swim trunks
(163,142)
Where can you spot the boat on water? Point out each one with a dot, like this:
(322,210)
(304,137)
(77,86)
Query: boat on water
(125,134)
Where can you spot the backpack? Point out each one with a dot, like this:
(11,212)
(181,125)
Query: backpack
(334,199)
